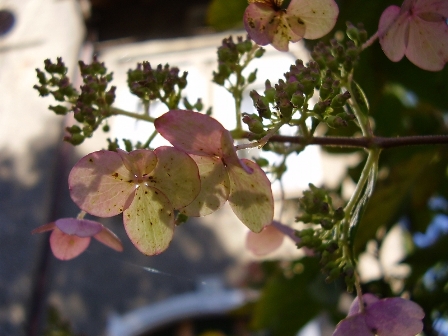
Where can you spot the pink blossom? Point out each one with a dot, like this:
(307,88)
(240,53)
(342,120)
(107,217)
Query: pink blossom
(386,317)
(418,30)
(268,23)
(223,175)
(71,236)
(147,186)
(269,239)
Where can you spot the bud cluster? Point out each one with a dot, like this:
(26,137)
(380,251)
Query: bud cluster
(90,107)
(164,83)
(317,208)
(230,55)
(338,57)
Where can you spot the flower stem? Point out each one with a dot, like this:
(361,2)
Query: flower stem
(370,41)
(260,143)
(138,116)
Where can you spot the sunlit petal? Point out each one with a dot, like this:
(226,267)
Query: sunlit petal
(318,16)
(191,132)
(215,187)
(149,221)
(251,196)
(176,175)
(101,185)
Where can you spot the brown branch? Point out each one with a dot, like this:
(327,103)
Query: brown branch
(364,142)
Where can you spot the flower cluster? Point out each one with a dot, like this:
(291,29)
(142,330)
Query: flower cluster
(145,185)
(223,175)
(71,236)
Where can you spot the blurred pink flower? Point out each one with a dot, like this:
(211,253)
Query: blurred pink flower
(418,30)
(267,22)
(269,239)
(71,236)
(390,316)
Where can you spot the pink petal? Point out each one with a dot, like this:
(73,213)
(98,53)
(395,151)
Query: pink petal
(319,16)
(149,221)
(109,239)
(393,32)
(431,6)
(176,175)
(428,44)
(215,187)
(66,247)
(368,300)
(191,132)
(229,153)
(353,325)
(282,32)
(395,317)
(44,228)
(251,196)
(258,23)
(267,241)
(78,227)
(139,162)
(101,185)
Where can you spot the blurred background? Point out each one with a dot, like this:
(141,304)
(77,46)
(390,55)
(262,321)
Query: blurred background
(206,272)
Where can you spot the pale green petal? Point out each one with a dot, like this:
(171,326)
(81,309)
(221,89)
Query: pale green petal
(214,187)
(149,221)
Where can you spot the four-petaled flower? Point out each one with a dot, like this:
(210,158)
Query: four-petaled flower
(71,236)
(147,186)
(267,22)
(418,30)
(390,316)
(223,175)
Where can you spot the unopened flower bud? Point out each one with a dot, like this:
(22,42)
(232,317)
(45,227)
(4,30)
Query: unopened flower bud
(340,100)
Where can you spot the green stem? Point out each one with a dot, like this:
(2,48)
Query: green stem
(260,143)
(117,111)
(148,142)
(372,160)
(363,119)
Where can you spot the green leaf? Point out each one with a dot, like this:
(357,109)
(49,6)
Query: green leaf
(393,194)
(287,303)
(361,206)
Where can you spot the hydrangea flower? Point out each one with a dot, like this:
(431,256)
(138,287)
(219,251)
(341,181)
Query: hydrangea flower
(147,186)
(71,236)
(269,239)
(418,30)
(267,22)
(390,316)
(223,175)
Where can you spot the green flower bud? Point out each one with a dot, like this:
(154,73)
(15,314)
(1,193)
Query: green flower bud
(252,76)
(259,53)
(339,214)
(58,109)
(298,99)
(352,32)
(335,122)
(340,100)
